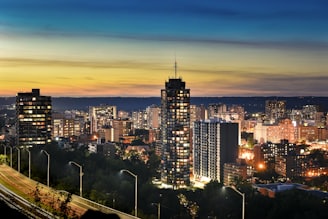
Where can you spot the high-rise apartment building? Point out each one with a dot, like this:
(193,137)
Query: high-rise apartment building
(139,119)
(216,108)
(153,117)
(68,124)
(275,110)
(33,119)
(175,134)
(215,142)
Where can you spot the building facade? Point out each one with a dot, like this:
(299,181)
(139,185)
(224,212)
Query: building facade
(68,124)
(101,116)
(275,110)
(33,119)
(175,134)
(215,143)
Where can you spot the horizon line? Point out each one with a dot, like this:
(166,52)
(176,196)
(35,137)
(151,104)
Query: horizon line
(301,96)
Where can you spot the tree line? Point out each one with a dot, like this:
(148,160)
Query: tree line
(103,183)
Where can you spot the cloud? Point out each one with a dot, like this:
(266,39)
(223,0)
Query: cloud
(12,62)
(236,83)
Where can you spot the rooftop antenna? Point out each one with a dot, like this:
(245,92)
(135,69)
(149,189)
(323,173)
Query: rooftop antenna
(175,66)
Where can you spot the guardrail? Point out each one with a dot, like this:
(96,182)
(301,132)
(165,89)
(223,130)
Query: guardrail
(103,208)
(25,207)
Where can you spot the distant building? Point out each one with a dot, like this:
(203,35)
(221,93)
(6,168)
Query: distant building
(107,149)
(154,136)
(290,166)
(153,117)
(139,119)
(101,116)
(33,119)
(285,129)
(147,119)
(270,190)
(286,158)
(236,171)
(216,108)
(275,109)
(175,134)
(142,151)
(260,132)
(215,143)
(197,113)
(123,114)
(68,124)
(258,161)
(121,129)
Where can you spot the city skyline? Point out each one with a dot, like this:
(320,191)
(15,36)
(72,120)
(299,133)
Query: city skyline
(128,48)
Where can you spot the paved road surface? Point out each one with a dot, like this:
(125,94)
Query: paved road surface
(25,187)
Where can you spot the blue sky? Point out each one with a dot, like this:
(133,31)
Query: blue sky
(119,48)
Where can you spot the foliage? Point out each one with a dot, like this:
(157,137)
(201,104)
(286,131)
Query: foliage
(103,183)
(3,159)
(36,195)
(137,142)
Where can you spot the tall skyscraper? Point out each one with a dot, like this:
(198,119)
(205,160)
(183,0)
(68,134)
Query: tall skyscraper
(175,134)
(33,118)
(215,143)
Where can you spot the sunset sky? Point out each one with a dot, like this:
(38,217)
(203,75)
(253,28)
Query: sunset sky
(84,48)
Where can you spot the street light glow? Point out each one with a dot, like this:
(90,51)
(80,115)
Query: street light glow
(48,155)
(136,190)
(81,174)
(242,195)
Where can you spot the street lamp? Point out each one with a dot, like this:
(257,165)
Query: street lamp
(18,158)
(11,155)
(29,163)
(158,207)
(48,166)
(243,196)
(5,150)
(136,191)
(81,174)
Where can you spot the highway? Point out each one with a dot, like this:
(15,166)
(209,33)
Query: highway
(22,205)
(18,189)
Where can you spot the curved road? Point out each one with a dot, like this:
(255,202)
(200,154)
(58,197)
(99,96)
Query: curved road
(25,188)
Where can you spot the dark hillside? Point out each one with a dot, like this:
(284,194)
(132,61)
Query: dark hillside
(251,104)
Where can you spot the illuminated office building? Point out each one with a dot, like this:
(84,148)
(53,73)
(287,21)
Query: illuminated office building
(175,134)
(33,118)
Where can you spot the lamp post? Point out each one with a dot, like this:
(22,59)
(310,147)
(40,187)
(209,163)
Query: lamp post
(18,158)
(136,191)
(11,155)
(4,152)
(243,196)
(158,209)
(81,174)
(48,155)
(29,163)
